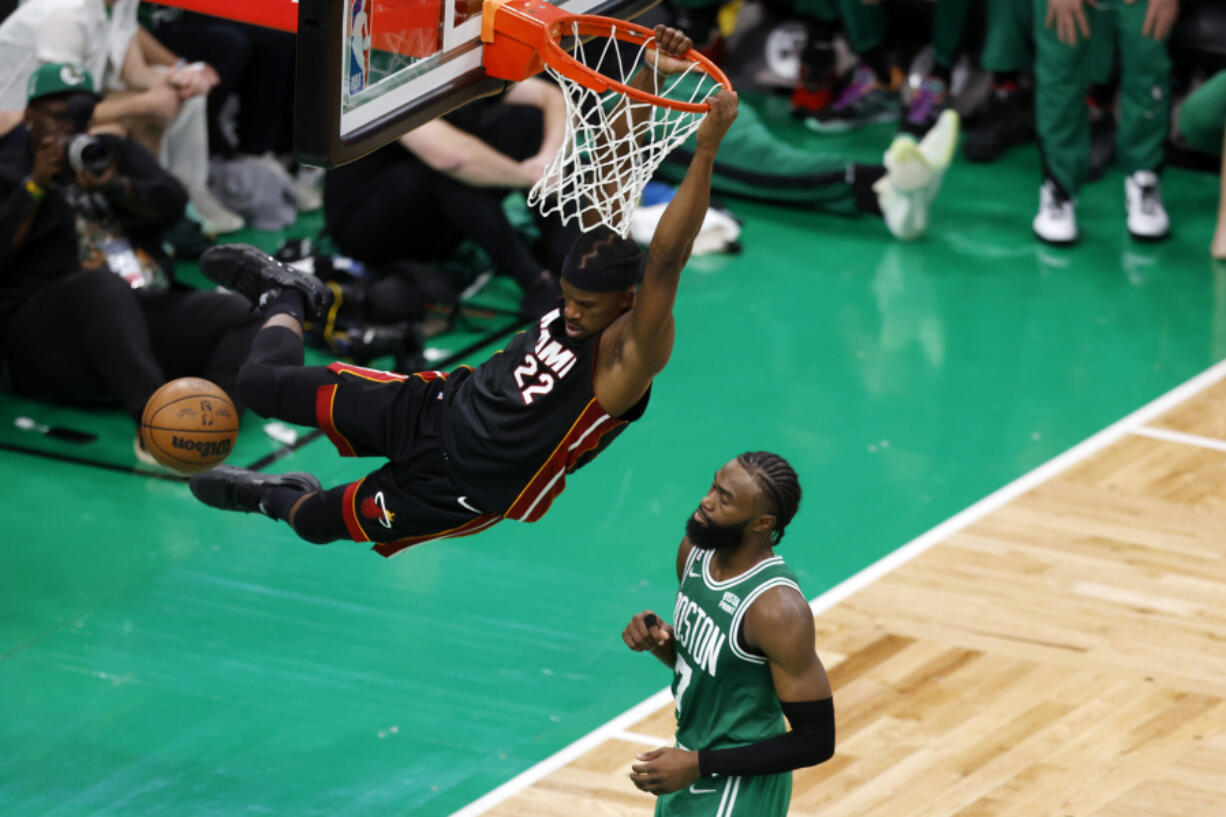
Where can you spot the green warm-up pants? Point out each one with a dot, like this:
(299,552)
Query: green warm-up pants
(1009,41)
(948,23)
(863,24)
(1202,119)
(1063,73)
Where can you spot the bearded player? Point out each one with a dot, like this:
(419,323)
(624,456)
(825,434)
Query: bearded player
(741,647)
(470,448)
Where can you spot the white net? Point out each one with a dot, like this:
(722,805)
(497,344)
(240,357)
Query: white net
(614,143)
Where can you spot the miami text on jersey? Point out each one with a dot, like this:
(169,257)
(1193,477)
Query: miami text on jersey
(531,376)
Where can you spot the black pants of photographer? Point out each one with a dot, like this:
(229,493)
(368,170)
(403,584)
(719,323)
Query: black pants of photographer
(88,338)
(413,213)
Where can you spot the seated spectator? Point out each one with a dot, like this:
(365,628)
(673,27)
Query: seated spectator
(255,66)
(419,198)
(160,106)
(89,308)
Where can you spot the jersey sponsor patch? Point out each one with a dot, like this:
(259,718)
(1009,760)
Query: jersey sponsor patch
(729,602)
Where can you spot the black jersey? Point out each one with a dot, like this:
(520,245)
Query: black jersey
(520,422)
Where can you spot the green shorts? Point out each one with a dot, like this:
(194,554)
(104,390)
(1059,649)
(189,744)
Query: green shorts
(758,796)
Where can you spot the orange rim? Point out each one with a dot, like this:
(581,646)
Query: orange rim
(591,25)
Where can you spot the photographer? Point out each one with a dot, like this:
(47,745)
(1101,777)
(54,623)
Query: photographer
(89,308)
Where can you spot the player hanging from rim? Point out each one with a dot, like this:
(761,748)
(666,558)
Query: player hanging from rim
(741,651)
(475,446)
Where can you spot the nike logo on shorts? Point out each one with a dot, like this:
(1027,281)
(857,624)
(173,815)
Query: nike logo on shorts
(463,500)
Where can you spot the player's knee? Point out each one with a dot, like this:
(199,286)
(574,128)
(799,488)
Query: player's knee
(317,519)
(313,535)
(257,387)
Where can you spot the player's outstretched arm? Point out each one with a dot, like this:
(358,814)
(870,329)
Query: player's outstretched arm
(663,60)
(779,624)
(651,319)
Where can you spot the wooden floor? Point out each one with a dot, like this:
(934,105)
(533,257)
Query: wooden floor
(1062,656)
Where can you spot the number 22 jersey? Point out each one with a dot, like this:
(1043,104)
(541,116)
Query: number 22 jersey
(515,426)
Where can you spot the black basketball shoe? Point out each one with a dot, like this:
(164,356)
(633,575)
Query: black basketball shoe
(251,272)
(1006,122)
(238,489)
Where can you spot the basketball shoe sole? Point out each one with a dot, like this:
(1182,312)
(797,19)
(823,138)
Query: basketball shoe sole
(240,489)
(914,172)
(251,272)
(901,192)
(938,147)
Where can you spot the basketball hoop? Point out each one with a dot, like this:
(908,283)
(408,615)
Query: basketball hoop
(616,135)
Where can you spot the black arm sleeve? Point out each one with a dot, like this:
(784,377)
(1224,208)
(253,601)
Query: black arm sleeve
(810,741)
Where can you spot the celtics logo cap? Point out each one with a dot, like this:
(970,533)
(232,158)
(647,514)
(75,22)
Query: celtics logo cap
(58,78)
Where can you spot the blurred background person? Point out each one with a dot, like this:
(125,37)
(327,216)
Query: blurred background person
(89,307)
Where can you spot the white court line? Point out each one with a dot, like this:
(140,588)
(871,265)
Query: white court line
(1180,437)
(1083,450)
(639,737)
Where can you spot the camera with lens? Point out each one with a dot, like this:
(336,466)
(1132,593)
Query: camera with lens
(86,152)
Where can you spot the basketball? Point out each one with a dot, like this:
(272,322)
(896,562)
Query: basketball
(189,425)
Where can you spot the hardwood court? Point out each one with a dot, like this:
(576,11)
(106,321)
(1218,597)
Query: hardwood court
(1065,655)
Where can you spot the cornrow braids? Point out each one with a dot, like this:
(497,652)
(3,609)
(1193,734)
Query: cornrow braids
(603,261)
(780,484)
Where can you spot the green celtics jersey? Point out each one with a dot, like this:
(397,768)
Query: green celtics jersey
(725,695)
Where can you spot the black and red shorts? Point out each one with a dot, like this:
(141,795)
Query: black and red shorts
(412,498)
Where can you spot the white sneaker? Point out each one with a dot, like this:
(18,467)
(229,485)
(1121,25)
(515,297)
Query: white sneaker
(938,147)
(1056,221)
(213,216)
(903,192)
(1147,219)
(306,196)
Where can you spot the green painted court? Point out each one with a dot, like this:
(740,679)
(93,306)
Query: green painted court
(160,658)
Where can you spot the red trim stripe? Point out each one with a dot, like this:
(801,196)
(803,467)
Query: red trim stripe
(549,481)
(430,375)
(325,396)
(377,375)
(349,505)
(552,491)
(282,14)
(390,549)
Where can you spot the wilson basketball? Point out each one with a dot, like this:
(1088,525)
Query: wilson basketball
(189,425)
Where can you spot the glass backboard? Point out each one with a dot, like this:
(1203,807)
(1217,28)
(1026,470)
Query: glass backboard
(370,70)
